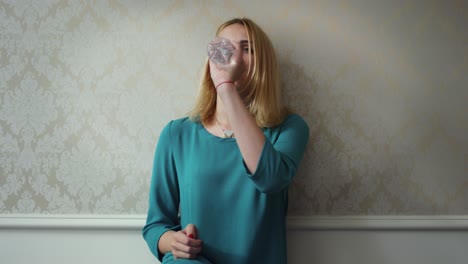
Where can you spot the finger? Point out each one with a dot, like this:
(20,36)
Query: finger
(191,231)
(211,64)
(182,255)
(183,251)
(185,248)
(197,243)
(182,238)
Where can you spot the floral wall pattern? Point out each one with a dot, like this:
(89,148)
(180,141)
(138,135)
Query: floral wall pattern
(86,87)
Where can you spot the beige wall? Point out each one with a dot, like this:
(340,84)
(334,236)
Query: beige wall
(86,86)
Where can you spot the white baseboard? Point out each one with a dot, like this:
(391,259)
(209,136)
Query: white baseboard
(117,239)
(136,222)
(99,222)
(441,222)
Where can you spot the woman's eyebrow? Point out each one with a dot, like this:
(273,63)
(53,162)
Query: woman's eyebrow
(245,42)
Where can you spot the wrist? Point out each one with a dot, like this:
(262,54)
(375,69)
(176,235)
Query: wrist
(223,83)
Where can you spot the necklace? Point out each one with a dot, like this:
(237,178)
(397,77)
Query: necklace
(227,133)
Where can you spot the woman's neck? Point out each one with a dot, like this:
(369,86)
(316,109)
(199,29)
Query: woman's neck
(220,115)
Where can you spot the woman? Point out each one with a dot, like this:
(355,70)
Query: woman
(228,165)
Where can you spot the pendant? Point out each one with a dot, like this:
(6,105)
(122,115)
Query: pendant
(228,133)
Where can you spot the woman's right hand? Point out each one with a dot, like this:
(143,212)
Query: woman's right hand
(185,243)
(231,72)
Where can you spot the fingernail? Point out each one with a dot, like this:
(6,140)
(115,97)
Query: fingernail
(190,235)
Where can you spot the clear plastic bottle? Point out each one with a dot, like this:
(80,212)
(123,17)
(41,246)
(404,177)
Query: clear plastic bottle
(220,51)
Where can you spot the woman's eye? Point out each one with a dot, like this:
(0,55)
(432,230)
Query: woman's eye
(247,50)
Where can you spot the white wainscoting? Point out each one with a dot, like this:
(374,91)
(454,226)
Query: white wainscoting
(71,239)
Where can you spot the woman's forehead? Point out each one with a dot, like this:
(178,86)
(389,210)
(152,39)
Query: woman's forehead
(235,32)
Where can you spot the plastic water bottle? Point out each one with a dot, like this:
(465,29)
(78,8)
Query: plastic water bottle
(220,51)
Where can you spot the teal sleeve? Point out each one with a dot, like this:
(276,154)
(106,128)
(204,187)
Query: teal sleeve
(163,194)
(279,160)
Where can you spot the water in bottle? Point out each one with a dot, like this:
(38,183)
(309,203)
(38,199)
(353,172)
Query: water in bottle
(220,51)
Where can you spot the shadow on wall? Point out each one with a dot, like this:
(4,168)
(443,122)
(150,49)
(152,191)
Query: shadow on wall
(299,90)
(388,119)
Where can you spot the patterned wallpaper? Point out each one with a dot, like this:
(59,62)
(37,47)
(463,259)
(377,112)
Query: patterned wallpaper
(86,87)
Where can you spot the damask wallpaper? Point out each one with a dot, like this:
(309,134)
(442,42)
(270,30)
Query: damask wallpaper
(86,87)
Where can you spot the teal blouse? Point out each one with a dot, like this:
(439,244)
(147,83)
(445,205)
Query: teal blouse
(240,216)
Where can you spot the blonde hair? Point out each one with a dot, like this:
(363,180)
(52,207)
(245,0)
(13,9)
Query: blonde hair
(262,93)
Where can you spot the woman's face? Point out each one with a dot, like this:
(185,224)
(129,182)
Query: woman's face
(237,34)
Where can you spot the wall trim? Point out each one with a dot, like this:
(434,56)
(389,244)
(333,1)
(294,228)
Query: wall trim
(71,221)
(136,222)
(388,222)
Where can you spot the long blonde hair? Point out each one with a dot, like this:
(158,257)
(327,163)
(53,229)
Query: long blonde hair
(262,94)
